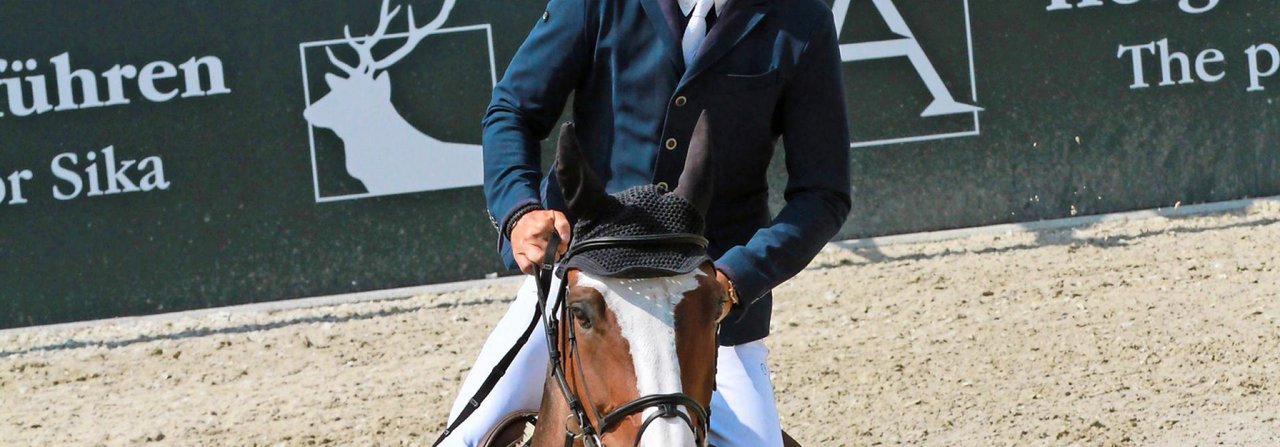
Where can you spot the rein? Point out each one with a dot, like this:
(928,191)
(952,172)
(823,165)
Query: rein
(551,324)
(667,404)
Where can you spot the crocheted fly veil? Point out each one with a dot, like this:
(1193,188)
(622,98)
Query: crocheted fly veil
(653,232)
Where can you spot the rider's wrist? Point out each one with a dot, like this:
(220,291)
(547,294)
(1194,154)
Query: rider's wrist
(730,289)
(517,215)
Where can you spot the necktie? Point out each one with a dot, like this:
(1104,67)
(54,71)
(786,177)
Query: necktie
(696,31)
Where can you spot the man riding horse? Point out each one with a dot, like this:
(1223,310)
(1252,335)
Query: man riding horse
(641,72)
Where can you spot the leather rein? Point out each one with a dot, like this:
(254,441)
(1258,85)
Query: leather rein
(578,425)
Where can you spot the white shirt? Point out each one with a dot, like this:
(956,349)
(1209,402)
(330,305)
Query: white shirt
(686,6)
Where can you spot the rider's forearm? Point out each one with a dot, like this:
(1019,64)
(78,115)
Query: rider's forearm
(527,103)
(776,253)
(511,169)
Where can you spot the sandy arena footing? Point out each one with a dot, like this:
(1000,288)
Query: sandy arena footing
(1159,331)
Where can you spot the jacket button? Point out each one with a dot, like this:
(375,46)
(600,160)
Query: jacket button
(671,144)
(681,101)
(662,185)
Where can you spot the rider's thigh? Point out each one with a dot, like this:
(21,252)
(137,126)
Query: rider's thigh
(743,411)
(520,388)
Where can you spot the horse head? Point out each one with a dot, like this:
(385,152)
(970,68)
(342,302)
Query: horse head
(639,332)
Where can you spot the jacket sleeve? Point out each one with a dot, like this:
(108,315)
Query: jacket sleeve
(816,143)
(525,106)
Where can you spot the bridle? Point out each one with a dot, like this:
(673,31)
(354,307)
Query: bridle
(578,425)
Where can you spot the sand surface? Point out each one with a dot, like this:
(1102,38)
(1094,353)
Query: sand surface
(1153,332)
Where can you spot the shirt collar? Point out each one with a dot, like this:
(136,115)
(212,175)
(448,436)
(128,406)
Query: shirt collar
(686,6)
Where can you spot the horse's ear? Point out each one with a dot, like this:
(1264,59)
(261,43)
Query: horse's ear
(697,180)
(583,192)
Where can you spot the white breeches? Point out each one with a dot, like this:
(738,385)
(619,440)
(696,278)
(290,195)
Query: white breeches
(743,412)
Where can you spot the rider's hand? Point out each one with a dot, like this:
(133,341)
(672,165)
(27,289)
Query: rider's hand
(532,232)
(731,295)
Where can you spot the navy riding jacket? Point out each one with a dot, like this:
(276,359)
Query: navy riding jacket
(768,68)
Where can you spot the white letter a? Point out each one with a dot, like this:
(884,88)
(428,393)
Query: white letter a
(907,46)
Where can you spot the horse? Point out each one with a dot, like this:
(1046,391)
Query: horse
(632,345)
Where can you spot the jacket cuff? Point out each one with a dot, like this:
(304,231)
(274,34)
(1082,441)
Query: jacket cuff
(746,279)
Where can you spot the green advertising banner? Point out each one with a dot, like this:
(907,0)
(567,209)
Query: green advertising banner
(978,112)
(160,155)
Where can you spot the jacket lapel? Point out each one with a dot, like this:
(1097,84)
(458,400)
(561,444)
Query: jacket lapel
(661,14)
(742,16)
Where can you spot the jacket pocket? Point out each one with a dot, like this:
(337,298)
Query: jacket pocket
(722,83)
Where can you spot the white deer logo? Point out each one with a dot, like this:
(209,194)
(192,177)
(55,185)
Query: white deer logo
(383,150)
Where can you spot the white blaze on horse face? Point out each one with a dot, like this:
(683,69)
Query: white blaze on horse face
(645,310)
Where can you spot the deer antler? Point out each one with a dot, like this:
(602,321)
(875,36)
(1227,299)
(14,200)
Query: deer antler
(368,65)
(415,35)
(351,71)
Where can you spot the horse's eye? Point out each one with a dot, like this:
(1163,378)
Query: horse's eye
(580,314)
